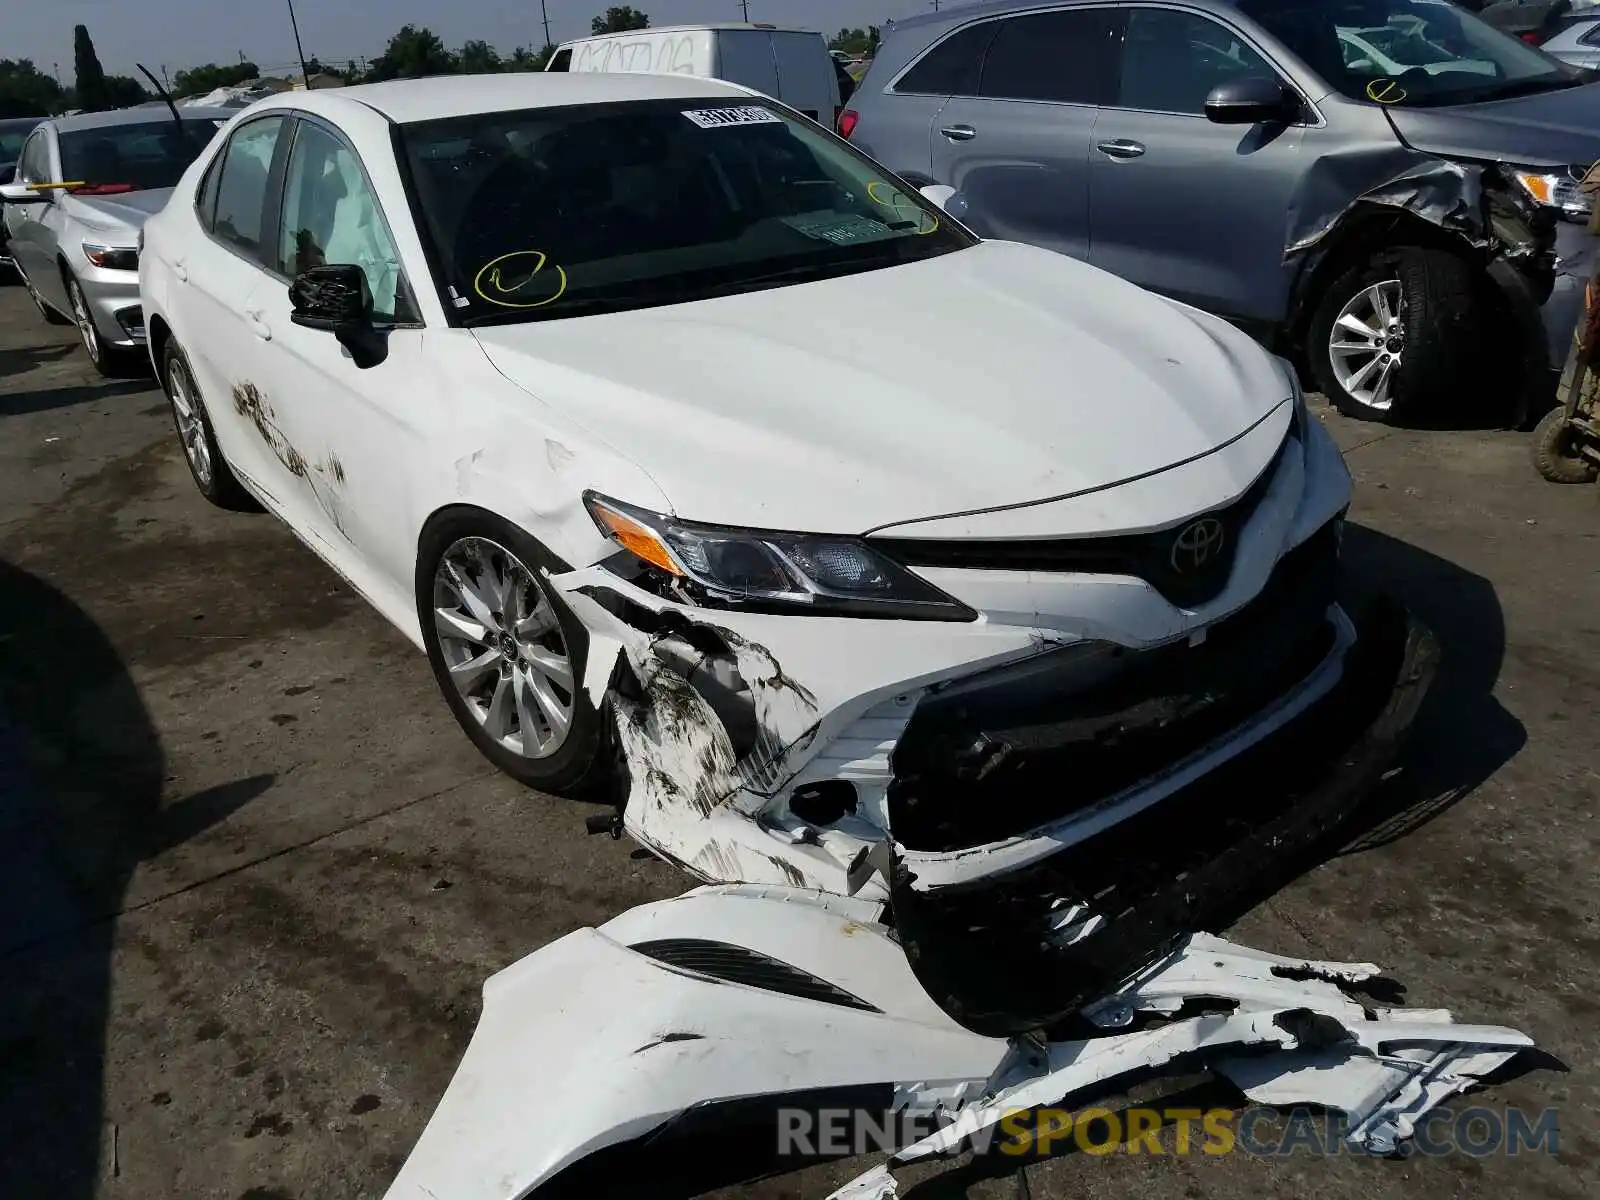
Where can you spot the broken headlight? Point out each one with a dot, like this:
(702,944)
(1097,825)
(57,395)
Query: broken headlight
(822,574)
(1557,190)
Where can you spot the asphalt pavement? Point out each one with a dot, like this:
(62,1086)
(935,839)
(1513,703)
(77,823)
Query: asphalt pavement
(252,877)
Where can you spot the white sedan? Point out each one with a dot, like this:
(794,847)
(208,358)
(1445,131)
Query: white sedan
(703,456)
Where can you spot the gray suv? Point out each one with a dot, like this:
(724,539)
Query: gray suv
(1383,190)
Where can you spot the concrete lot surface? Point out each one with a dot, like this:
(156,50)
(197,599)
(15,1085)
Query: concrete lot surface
(252,877)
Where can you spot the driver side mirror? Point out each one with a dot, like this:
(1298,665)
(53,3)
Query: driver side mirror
(1251,100)
(21,193)
(336,299)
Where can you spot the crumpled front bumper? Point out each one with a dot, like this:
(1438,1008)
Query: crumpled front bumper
(1025,950)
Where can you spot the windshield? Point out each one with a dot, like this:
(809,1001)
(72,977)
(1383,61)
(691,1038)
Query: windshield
(131,158)
(1414,53)
(11,143)
(559,212)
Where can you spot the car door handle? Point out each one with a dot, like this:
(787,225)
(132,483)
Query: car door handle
(958,133)
(1120,148)
(181,271)
(258,323)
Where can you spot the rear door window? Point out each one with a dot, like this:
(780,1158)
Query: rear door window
(1065,57)
(242,185)
(953,66)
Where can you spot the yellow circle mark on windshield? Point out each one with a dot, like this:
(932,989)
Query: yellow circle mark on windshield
(512,279)
(1385,91)
(902,206)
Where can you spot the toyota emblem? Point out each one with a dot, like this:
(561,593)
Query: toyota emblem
(1197,545)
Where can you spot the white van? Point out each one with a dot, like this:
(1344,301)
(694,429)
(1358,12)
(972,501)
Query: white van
(792,65)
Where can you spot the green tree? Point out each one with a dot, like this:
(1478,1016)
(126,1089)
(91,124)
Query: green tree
(620,18)
(123,91)
(480,58)
(524,59)
(413,52)
(197,81)
(89,76)
(851,41)
(26,91)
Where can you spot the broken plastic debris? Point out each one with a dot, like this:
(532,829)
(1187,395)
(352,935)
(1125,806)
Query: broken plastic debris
(746,995)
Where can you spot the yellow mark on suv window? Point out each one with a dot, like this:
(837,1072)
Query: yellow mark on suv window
(1385,91)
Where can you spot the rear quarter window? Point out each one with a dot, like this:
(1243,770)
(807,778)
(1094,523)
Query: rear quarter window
(951,68)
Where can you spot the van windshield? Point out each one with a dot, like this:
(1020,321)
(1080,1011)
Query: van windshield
(559,212)
(1413,53)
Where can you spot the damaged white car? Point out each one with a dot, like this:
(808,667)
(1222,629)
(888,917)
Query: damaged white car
(705,457)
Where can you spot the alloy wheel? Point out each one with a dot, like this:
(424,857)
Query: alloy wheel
(504,647)
(86,329)
(1366,344)
(190,421)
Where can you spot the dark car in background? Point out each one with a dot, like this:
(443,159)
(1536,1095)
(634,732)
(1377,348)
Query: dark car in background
(13,132)
(1384,190)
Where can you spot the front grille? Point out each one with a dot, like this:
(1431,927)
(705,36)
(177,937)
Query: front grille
(1152,557)
(986,763)
(735,964)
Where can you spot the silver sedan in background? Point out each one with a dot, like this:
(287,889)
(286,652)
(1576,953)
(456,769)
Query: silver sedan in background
(83,187)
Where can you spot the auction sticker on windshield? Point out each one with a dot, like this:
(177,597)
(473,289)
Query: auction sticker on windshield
(738,114)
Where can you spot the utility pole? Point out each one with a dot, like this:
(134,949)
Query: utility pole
(545,13)
(744,7)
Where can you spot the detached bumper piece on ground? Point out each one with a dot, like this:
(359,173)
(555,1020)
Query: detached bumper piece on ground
(666,1051)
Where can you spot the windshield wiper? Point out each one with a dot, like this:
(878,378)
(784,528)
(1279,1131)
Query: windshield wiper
(577,306)
(1522,87)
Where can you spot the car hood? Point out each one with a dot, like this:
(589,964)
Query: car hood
(123,213)
(992,377)
(1546,129)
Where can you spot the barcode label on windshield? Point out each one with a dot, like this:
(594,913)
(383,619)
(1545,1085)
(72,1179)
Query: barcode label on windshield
(739,114)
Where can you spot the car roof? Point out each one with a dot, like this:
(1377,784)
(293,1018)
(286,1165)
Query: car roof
(961,14)
(136,116)
(763,26)
(408,100)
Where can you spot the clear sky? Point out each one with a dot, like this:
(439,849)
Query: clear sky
(186,33)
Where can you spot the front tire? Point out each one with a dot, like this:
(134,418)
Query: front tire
(107,360)
(1396,336)
(210,471)
(506,652)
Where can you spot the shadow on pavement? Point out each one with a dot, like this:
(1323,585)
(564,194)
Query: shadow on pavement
(19,359)
(1463,734)
(15,404)
(81,774)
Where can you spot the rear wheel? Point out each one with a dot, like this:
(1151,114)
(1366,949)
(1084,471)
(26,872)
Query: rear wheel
(506,652)
(1395,336)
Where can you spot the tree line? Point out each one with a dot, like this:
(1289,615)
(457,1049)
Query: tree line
(412,52)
